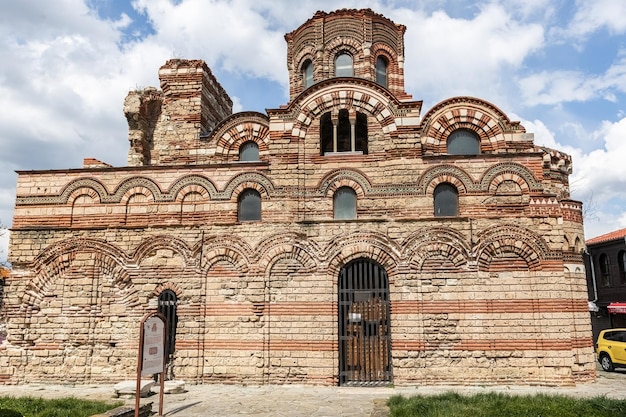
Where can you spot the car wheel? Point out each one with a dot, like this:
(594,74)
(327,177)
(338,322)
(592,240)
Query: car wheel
(606,363)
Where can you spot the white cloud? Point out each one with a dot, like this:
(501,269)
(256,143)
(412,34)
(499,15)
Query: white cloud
(230,35)
(449,57)
(591,16)
(560,86)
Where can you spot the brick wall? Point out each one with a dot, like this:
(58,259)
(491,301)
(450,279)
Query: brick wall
(496,294)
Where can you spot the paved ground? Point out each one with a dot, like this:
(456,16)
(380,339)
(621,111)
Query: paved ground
(300,400)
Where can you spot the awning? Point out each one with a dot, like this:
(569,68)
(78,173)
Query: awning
(617,308)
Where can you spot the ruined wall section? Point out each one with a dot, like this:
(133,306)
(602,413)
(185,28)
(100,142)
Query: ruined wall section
(142,109)
(167,127)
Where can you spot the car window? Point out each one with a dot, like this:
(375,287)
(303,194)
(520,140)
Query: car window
(615,336)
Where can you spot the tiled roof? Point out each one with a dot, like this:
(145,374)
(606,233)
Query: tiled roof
(617,234)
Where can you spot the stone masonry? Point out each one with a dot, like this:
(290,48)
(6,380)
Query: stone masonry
(493,294)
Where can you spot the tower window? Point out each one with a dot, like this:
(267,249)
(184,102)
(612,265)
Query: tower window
(381,71)
(307,73)
(344,65)
(463,142)
(249,205)
(249,151)
(346,133)
(344,204)
(446,200)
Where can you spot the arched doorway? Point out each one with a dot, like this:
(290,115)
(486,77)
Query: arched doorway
(364,330)
(167,306)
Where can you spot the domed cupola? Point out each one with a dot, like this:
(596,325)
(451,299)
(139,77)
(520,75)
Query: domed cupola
(346,43)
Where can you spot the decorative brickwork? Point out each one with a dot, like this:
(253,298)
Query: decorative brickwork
(494,294)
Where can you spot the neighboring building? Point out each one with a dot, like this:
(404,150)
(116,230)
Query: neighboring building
(343,238)
(4,274)
(606,280)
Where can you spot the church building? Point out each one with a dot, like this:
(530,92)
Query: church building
(348,237)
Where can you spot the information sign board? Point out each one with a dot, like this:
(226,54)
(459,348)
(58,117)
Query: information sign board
(153,358)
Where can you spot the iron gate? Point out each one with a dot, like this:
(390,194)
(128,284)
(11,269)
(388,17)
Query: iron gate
(364,333)
(167,306)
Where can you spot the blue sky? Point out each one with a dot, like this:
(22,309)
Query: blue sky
(558,66)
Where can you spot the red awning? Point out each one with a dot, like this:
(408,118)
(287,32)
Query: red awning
(617,308)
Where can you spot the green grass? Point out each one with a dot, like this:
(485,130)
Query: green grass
(61,407)
(503,405)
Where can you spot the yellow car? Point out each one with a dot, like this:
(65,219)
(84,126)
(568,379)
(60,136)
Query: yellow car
(611,348)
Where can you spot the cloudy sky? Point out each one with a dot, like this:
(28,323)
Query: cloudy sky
(558,66)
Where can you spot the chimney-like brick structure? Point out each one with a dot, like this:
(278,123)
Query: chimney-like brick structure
(165,126)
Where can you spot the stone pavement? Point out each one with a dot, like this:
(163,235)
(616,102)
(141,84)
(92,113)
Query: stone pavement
(302,400)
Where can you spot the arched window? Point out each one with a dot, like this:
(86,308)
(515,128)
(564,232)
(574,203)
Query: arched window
(345,134)
(249,151)
(307,73)
(249,205)
(463,142)
(605,270)
(343,65)
(344,204)
(446,200)
(621,260)
(381,71)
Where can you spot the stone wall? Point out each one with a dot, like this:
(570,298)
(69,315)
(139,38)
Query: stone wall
(493,294)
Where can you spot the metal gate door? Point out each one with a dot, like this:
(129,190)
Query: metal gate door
(364,335)
(167,306)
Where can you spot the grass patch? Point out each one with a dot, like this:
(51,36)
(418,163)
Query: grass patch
(498,405)
(60,407)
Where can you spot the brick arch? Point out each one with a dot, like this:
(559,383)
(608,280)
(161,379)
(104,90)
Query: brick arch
(344,43)
(230,249)
(486,120)
(374,246)
(445,173)
(286,246)
(238,129)
(439,251)
(354,179)
(566,245)
(510,239)
(53,261)
(443,242)
(306,52)
(393,68)
(162,242)
(137,185)
(78,213)
(189,183)
(498,173)
(380,48)
(79,192)
(192,189)
(172,286)
(253,180)
(68,194)
(361,95)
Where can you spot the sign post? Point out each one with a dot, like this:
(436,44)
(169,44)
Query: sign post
(151,356)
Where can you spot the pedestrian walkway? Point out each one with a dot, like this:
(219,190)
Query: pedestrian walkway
(302,400)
